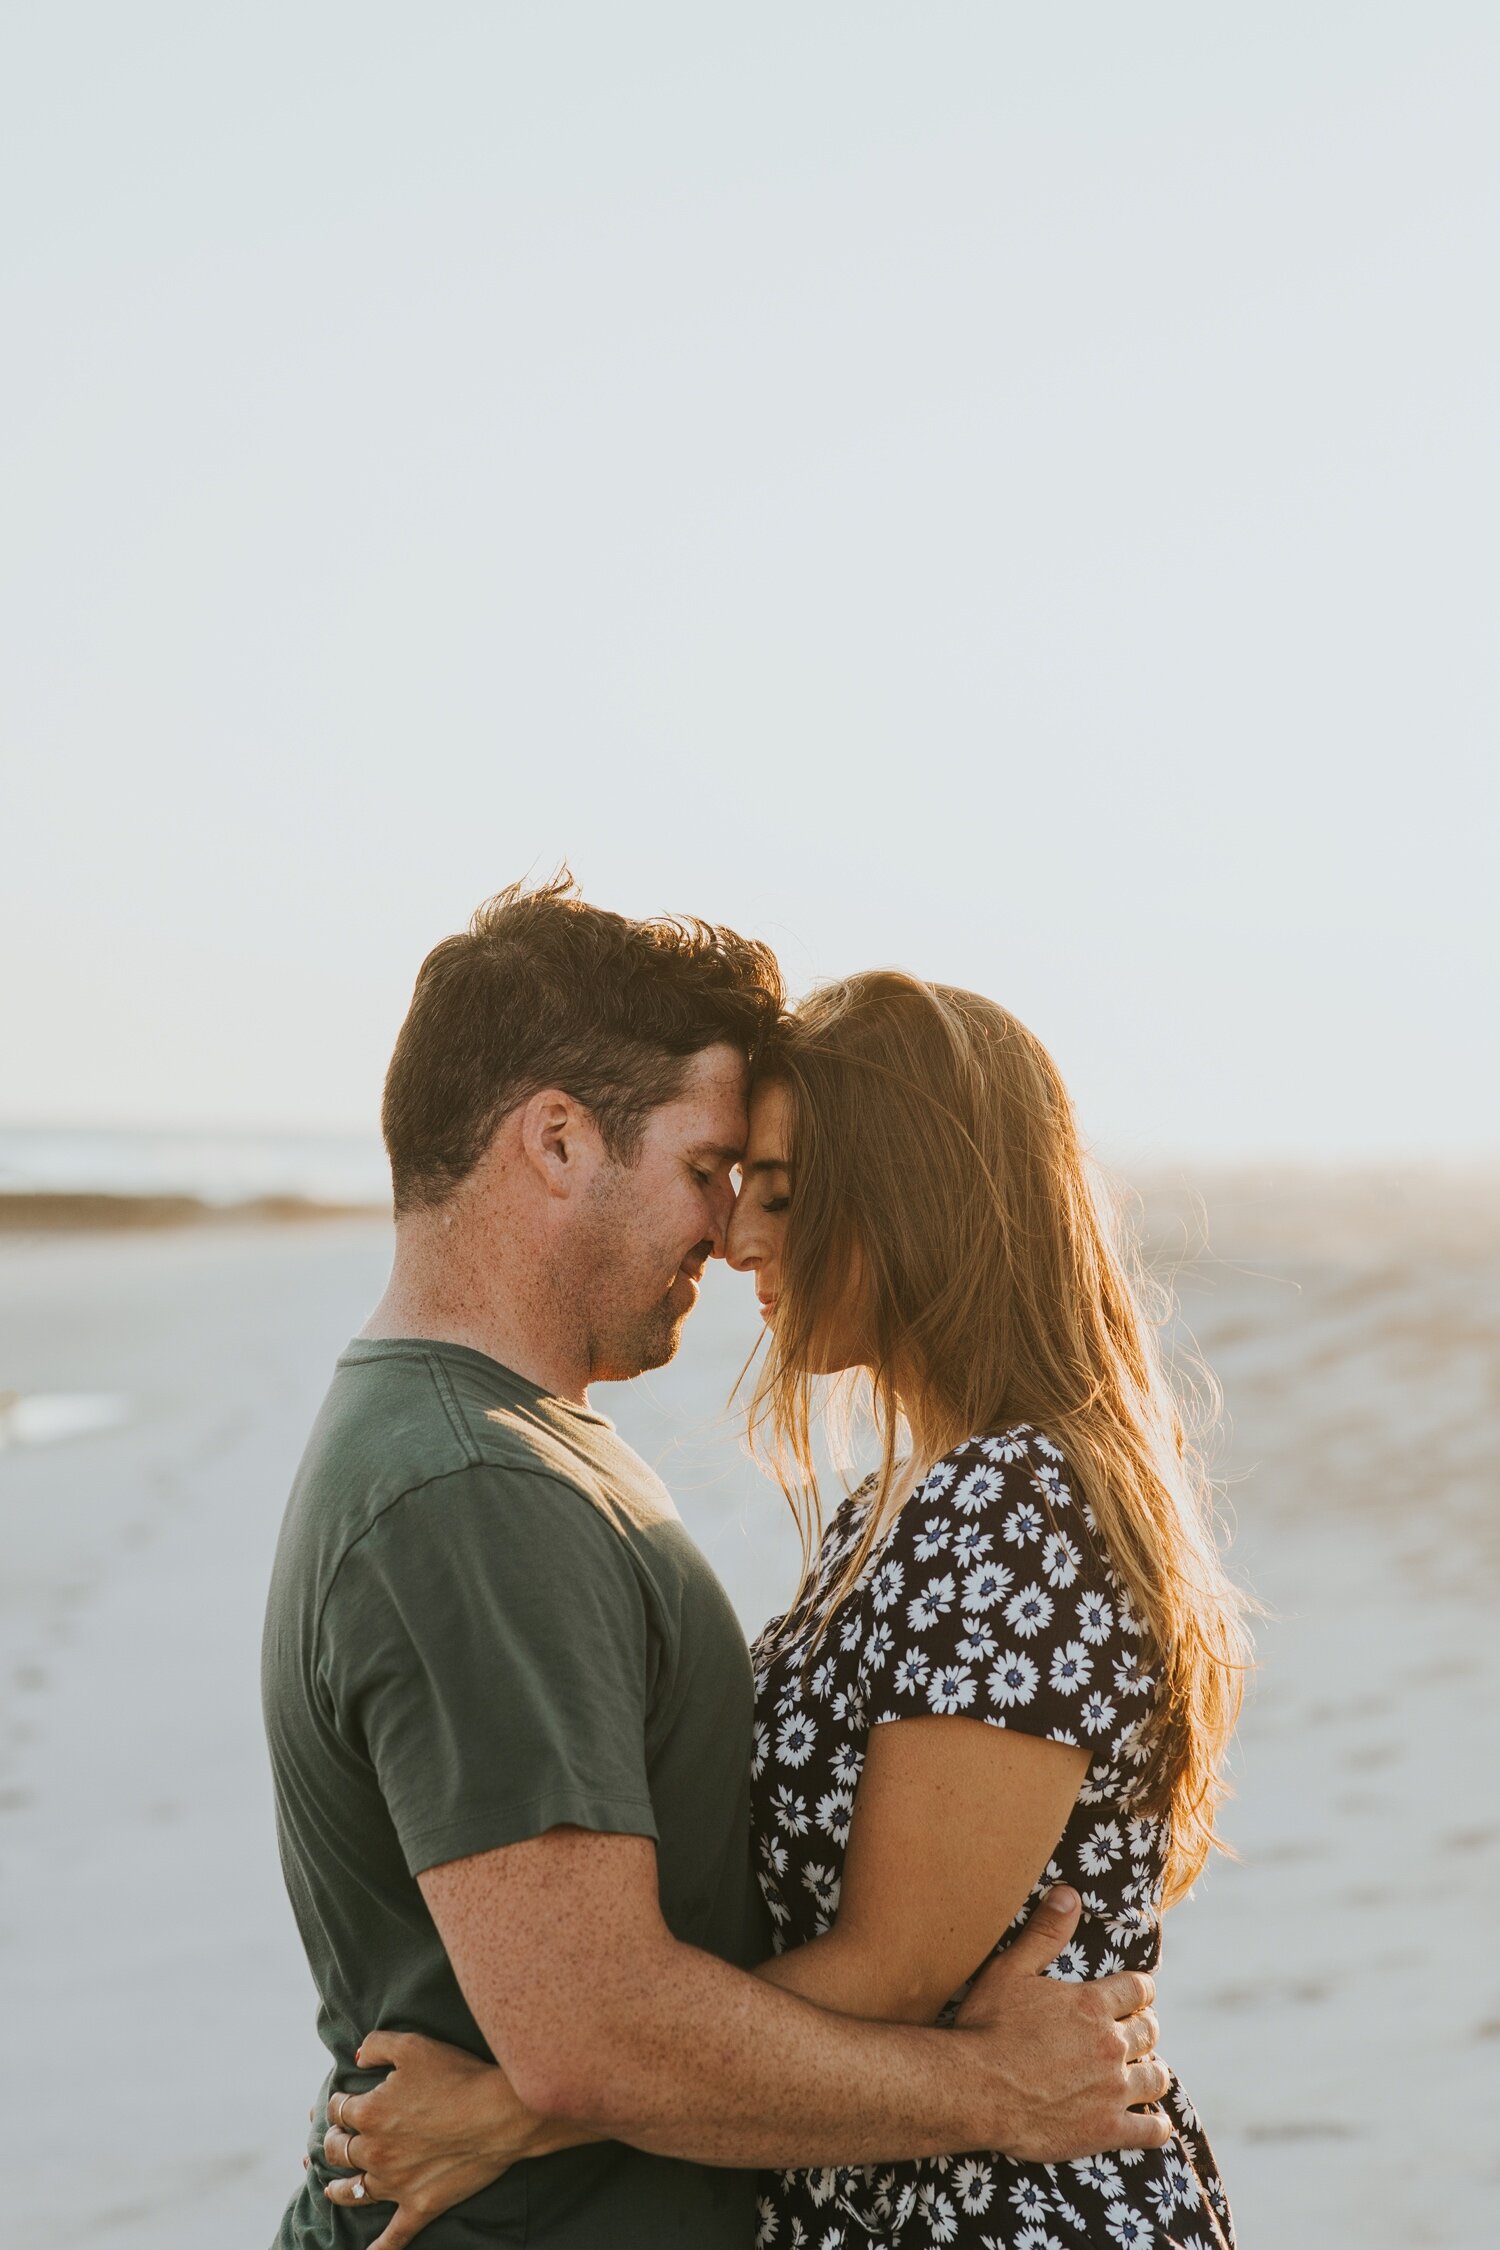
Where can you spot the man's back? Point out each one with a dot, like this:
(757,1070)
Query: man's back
(486,1621)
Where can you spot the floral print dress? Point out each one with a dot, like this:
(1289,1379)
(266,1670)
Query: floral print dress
(991,1596)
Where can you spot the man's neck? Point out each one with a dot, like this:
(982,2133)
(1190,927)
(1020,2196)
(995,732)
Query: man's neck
(451,1299)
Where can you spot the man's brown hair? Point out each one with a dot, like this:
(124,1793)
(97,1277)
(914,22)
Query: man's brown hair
(543,989)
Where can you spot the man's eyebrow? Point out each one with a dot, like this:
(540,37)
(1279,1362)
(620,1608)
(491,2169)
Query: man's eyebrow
(717,1149)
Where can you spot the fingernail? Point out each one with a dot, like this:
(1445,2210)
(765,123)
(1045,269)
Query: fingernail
(1060,1900)
(359,2055)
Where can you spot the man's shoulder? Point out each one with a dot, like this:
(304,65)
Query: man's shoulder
(398,1436)
(387,1427)
(595,1464)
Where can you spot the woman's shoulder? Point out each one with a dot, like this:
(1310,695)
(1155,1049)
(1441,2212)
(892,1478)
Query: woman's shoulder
(1013,1495)
(994,1597)
(1019,1466)
(1013,1445)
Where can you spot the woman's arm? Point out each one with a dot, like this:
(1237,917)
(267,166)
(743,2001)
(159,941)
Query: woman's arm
(953,1823)
(442,2125)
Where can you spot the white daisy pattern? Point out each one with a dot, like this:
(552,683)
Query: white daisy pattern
(978,1489)
(950,1688)
(1029,1611)
(879,1645)
(1060,1559)
(986,1584)
(990,1598)
(1095,1619)
(1013,1680)
(885,1586)
(979,1641)
(1071,1667)
(794,1739)
(934,1601)
(1022,1525)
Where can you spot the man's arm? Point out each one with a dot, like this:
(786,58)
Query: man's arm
(604,2021)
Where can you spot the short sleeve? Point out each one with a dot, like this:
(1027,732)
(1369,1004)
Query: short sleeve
(993,1599)
(486,1645)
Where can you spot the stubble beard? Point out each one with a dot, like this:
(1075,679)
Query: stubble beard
(619,1351)
(623,1338)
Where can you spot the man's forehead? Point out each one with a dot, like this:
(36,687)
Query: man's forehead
(710,1112)
(720,1066)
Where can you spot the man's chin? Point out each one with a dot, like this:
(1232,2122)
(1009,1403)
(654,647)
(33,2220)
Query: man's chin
(619,1359)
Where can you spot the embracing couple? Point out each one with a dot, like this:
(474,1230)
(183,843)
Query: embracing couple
(626,1937)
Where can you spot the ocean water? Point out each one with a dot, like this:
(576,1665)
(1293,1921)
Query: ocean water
(219,1167)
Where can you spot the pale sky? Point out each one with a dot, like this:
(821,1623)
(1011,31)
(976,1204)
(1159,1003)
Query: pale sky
(1007,491)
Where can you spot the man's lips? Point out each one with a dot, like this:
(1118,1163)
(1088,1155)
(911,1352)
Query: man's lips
(692,1266)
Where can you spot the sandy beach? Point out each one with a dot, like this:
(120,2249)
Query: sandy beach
(1325,1998)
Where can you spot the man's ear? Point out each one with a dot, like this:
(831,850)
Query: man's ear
(560,1141)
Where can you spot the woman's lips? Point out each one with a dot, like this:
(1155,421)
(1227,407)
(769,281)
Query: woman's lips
(767,1307)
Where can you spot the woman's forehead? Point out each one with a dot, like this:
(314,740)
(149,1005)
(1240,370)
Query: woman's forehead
(770,1111)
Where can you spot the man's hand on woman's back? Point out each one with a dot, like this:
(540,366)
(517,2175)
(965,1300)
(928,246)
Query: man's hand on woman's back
(1069,2063)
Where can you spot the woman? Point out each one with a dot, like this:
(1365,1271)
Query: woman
(1034,1553)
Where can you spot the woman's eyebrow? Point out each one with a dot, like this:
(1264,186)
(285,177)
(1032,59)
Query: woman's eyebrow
(765,1164)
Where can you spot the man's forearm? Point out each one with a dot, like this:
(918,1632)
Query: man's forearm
(722,2068)
(602,2019)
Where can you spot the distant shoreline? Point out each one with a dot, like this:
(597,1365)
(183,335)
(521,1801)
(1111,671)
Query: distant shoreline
(1185,1212)
(71,1211)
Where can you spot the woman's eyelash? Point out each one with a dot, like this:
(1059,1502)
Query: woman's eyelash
(778,1203)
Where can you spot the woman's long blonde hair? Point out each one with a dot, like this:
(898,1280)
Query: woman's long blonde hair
(938,1184)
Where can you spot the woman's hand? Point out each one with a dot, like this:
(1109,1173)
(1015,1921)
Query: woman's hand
(439,2128)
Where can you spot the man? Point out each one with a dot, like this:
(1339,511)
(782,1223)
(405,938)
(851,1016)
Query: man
(509,1705)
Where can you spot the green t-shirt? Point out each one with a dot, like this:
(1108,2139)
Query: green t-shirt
(486,1620)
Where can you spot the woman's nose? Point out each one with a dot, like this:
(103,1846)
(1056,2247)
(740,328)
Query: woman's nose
(739,1251)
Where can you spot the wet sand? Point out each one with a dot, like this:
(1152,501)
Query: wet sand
(1330,2000)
